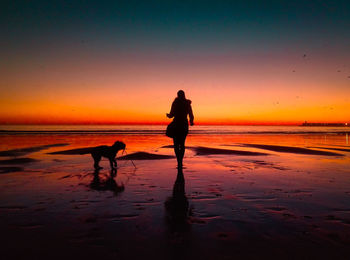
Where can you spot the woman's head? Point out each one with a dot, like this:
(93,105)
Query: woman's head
(181,94)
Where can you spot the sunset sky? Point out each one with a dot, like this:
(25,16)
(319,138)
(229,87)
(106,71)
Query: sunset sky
(240,62)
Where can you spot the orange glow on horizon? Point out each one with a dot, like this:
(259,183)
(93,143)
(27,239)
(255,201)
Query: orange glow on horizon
(235,90)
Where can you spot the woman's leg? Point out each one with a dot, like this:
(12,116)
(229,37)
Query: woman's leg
(182,148)
(179,148)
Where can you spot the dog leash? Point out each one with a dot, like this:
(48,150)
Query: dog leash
(129,159)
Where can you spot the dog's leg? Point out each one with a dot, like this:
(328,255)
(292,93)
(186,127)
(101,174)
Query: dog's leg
(111,161)
(97,159)
(115,162)
(113,173)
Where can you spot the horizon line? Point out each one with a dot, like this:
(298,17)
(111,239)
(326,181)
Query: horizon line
(166,123)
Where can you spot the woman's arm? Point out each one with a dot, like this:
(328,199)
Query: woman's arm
(190,113)
(171,114)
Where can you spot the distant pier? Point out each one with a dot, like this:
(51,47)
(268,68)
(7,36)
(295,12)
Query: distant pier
(324,124)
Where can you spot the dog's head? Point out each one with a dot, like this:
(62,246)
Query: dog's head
(119,145)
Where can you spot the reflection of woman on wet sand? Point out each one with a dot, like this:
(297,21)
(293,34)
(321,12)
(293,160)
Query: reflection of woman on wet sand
(180,108)
(177,206)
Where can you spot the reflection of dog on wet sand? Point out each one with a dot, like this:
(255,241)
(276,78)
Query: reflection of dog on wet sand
(108,152)
(106,182)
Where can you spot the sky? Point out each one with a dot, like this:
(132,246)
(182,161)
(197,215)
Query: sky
(240,62)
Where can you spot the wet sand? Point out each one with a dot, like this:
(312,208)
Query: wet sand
(290,149)
(145,156)
(28,150)
(239,203)
(10,169)
(17,161)
(333,148)
(210,151)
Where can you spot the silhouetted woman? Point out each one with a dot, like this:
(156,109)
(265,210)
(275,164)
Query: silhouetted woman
(180,108)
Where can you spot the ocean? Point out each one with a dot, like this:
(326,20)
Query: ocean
(160,129)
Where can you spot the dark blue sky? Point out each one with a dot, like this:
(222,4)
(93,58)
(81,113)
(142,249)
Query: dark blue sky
(175,25)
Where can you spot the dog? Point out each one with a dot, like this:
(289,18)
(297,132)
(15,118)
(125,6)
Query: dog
(108,152)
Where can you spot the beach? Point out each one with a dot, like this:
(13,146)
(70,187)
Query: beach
(244,193)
